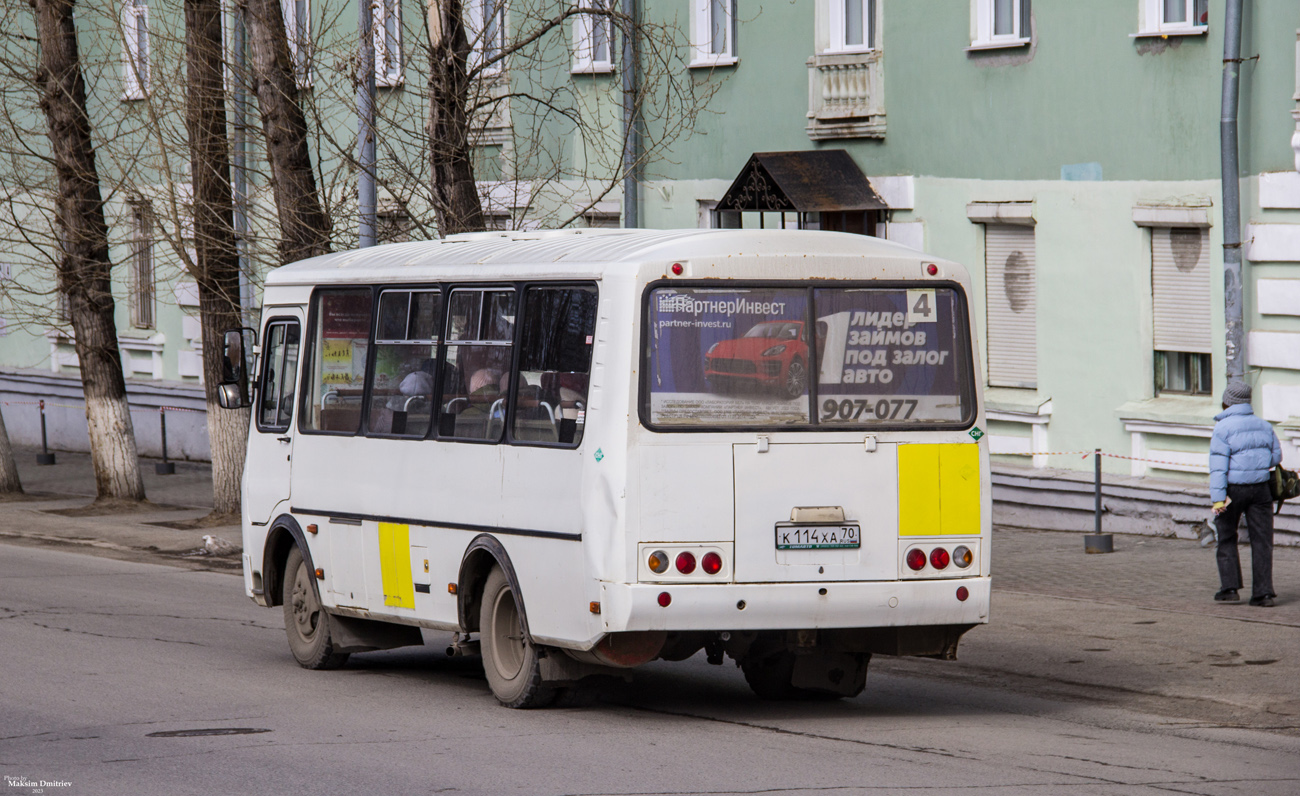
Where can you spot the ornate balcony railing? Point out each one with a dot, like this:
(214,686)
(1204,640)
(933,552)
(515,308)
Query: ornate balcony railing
(845,96)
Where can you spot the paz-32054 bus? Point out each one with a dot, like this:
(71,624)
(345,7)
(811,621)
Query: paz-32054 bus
(582,451)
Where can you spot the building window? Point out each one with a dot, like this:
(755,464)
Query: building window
(714,33)
(297,27)
(135,56)
(1183,372)
(142,273)
(387,30)
(852,25)
(1000,23)
(1176,17)
(487,34)
(1010,281)
(393,226)
(593,47)
(1180,300)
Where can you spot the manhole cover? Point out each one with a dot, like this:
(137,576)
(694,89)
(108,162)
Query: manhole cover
(207,731)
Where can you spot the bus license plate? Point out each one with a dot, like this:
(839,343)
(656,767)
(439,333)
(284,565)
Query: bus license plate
(818,537)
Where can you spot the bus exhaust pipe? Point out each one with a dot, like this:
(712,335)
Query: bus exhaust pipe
(463,647)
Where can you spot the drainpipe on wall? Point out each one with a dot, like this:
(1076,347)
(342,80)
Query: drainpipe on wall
(1233,322)
(631,132)
(239,145)
(366,194)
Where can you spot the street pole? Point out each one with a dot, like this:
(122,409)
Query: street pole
(366,193)
(631,131)
(1233,316)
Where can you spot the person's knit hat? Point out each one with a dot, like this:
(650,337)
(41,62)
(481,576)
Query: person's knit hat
(1238,392)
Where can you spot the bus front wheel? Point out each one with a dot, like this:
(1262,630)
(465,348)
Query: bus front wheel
(305,620)
(510,660)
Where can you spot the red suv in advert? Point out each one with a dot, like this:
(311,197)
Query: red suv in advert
(771,355)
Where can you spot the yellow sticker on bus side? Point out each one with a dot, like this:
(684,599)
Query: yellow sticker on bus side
(938,490)
(395,564)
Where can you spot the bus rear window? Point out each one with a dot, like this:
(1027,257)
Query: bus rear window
(834,356)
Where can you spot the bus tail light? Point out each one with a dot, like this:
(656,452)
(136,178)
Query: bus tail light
(939,558)
(962,593)
(711,563)
(665,599)
(658,562)
(962,556)
(915,559)
(685,563)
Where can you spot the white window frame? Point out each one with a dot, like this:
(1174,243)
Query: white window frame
(480,52)
(983,25)
(703,49)
(838,20)
(298,33)
(1151,19)
(135,64)
(388,60)
(586,56)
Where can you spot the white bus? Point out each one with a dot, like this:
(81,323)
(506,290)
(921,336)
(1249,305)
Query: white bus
(585,450)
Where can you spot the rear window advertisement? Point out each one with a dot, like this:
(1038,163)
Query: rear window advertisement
(746,357)
(890,356)
(728,357)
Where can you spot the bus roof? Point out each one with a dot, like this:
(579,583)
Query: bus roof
(573,252)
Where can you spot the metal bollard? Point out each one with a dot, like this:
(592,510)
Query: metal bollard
(1097,542)
(164,467)
(44,457)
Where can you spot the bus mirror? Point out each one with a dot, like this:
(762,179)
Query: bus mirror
(236,364)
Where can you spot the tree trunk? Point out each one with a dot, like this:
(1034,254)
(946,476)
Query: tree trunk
(304,227)
(455,196)
(215,265)
(10,484)
(84,266)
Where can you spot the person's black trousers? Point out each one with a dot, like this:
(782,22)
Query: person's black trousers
(1256,503)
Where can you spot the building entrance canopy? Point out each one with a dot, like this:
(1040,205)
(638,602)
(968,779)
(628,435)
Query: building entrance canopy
(822,189)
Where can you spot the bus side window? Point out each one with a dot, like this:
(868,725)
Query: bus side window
(476,372)
(406,347)
(554,364)
(275,394)
(336,375)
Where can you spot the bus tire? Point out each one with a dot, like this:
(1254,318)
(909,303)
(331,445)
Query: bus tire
(510,661)
(305,621)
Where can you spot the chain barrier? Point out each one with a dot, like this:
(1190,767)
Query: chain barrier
(1086,454)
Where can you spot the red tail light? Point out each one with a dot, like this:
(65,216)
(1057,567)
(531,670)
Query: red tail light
(915,560)
(665,599)
(685,563)
(711,563)
(962,593)
(939,558)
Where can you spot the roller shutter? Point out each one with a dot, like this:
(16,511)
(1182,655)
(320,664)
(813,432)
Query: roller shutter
(1011,287)
(1180,289)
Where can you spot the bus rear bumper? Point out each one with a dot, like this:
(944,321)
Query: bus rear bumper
(794,606)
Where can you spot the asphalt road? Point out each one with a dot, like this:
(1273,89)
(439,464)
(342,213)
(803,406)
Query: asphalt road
(131,678)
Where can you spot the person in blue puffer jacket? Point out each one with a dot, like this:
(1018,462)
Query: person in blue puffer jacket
(1243,449)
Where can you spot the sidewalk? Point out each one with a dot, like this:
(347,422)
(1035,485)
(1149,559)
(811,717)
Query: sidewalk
(1137,628)
(55,495)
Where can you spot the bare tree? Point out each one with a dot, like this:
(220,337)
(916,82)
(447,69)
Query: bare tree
(455,196)
(304,226)
(215,264)
(83,264)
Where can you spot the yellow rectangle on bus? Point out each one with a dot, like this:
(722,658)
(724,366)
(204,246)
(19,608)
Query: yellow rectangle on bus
(395,564)
(938,490)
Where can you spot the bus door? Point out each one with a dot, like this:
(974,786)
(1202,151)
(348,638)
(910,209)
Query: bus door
(270,446)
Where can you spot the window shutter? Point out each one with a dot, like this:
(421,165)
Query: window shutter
(1180,289)
(1011,290)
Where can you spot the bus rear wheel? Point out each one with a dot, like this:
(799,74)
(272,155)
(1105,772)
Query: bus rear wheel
(305,620)
(510,660)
